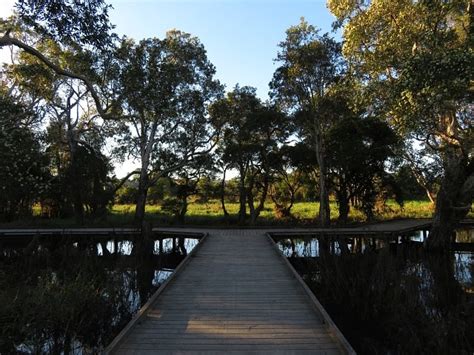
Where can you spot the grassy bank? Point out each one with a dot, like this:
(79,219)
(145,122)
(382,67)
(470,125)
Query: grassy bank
(305,212)
(210,213)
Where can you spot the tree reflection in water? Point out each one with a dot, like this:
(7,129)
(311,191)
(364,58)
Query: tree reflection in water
(391,298)
(64,296)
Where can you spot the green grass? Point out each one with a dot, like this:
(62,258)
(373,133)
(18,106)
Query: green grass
(210,213)
(305,212)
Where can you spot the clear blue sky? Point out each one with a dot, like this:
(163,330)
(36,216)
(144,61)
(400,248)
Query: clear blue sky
(241,36)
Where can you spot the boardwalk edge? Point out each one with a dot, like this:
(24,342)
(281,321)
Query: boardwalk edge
(346,347)
(144,309)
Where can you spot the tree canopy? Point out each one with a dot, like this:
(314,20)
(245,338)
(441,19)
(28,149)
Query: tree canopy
(417,61)
(345,121)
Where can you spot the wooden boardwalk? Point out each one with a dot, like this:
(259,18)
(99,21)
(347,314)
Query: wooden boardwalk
(234,294)
(379,230)
(376,229)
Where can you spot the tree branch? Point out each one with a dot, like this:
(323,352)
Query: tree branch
(6,40)
(124,179)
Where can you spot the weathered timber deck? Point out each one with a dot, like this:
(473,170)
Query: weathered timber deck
(96,232)
(237,294)
(383,228)
(234,294)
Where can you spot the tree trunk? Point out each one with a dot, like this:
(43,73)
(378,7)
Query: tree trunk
(324,211)
(141,198)
(226,214)
(344,208)
(453,201)
(242,197)
(75,179)
(250,204)
(77,193)
(146,145)
(184,209)
(261,205)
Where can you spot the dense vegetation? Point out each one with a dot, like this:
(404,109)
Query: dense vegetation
(386,115)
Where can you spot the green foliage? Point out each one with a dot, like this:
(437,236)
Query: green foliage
(416,305)
(57,297)
(165,88)
(250,137)
(81,174)
(24,176)
(127,193)
(171,206)
(359,149)
(71,22)
(309,64)
(416,59)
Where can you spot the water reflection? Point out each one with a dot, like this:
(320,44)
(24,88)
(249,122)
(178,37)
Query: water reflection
(387,295)
(161,246)
(72,295)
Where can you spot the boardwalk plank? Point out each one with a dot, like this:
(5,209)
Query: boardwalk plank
(235,294)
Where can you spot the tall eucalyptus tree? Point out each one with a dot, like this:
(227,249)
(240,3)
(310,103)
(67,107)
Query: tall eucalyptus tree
(166,86)
(309,64)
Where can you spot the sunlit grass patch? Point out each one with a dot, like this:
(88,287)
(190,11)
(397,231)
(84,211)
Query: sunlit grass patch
(210,213)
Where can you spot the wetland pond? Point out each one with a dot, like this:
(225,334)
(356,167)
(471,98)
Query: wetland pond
(391,297)
(74,294)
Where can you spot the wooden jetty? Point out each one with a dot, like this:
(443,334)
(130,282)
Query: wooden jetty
(388,229)
(234,293)
(95,232)
(400,227)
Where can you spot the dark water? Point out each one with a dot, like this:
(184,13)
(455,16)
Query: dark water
(74,294)
(392,297)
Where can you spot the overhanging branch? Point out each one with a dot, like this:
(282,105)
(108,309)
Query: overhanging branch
(6,40)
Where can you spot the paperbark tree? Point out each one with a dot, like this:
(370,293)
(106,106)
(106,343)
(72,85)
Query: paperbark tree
(418,63)
(309,65)
(166,87)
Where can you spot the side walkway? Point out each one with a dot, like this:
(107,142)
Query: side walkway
(235,295)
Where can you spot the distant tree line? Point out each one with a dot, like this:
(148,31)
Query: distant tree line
(387,114)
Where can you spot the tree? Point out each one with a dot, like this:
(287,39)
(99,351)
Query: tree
(310,64)
(291,167)
(232,116)
(251,133)
(418,63)
(270,131)
(81,26)
(359,146)
(166,86)
(425,166)
(74,128)
(24,176)
(81,182)
(185,183)
(359,149)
